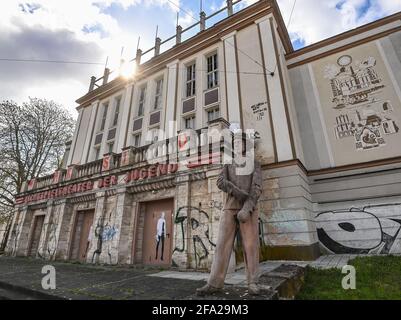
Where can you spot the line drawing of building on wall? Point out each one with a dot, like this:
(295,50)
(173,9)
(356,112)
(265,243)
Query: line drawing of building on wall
(352,85)
(365,115)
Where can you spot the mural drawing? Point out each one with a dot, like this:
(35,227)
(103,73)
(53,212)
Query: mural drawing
(357,90)
(358,231)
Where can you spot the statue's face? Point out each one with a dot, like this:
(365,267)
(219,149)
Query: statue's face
(238,146)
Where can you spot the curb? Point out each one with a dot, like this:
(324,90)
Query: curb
(30,292)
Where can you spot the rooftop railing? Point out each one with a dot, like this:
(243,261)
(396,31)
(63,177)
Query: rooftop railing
(204,22)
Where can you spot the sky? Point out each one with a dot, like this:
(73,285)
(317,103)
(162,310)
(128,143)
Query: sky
(89,31)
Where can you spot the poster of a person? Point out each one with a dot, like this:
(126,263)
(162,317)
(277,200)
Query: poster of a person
(160,234)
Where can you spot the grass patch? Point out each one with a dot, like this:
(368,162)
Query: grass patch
(377,278)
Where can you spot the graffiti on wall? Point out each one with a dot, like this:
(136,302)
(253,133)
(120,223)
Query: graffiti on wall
(260,110)
(364,113)
(105,232)
(358,231)
(109,232)
(200,237)
(50,244)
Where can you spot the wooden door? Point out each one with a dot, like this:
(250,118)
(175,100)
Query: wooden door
(157,233)
(80,245)
(36,233)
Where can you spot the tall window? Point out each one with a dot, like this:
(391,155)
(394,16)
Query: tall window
(110,146)
(117,111)
(159,93)
(97,153)
(137,140)
(213,114)
(212,71)
(104,116)
(191,81)
(142,98)
(190,122)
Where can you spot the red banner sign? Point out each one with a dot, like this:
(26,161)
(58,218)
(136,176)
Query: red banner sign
(152,171)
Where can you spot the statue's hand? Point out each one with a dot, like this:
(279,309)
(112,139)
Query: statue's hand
(237,192)
(243,215)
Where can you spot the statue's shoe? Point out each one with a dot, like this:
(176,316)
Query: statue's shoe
(253,289)
(207,290)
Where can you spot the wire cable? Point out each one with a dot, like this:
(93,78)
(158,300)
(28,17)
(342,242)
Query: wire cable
(183,10)
(50,61)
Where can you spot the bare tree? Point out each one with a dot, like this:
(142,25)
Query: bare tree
(32,143)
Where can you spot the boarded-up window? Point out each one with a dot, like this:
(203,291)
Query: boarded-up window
(154,118)
(137,124)
(188,105)
(211,97)
(98,139)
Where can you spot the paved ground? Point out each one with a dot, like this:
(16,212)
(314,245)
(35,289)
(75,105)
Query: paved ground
(75,281)
(237,278)
(78,281)
(335,260)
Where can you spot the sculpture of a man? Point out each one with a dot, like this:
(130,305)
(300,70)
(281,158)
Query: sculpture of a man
(240,212)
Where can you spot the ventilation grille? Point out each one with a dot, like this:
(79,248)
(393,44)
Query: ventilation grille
(188,105)
(98,139)
(154,118)
(112,134)
(137,124)
(211,97)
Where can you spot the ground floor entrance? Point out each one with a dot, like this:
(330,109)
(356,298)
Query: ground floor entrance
(80,240)
(157,232)
(36,234)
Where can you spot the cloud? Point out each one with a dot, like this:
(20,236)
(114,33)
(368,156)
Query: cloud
(63,30)
(315,20)
(17,79)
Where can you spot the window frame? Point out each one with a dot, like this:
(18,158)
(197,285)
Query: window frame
(212,75)
(142,101)
(97,152)
(190,117)
(213,109)
(103,120)
(158,94)
(190,82)
(117,110)
(110,143)
(135,136)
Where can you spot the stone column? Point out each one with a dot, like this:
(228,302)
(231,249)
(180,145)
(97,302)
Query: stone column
(182,237)
(90,132)
(277,98)
(120,243)
(74,141)
(96,244)
(23,231)
(171,107)
(233,98)
(61,230)
(42,249)
(123,128)
(286,213)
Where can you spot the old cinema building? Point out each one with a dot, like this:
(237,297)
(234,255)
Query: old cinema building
(328,118)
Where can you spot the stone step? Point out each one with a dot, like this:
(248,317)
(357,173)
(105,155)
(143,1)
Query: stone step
(283,282)
(286,279)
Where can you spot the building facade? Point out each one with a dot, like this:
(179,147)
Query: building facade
(134,191)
